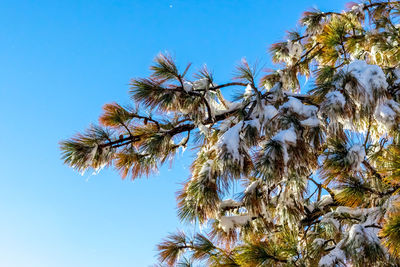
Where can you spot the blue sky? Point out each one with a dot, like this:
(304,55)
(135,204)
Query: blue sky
(60,62)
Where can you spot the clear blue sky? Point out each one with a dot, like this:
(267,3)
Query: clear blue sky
(60,62)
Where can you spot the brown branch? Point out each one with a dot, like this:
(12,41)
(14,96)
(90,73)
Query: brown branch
(228,84)
(377,175)
(372,169)
(185,143)
(381,3)
(126,128)
(373,226)
(368,131)
(174,131)
(146,118)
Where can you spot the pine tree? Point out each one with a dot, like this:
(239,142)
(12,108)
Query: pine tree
(320,171)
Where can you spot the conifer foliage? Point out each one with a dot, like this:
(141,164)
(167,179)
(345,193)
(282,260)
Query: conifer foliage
(320,170)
